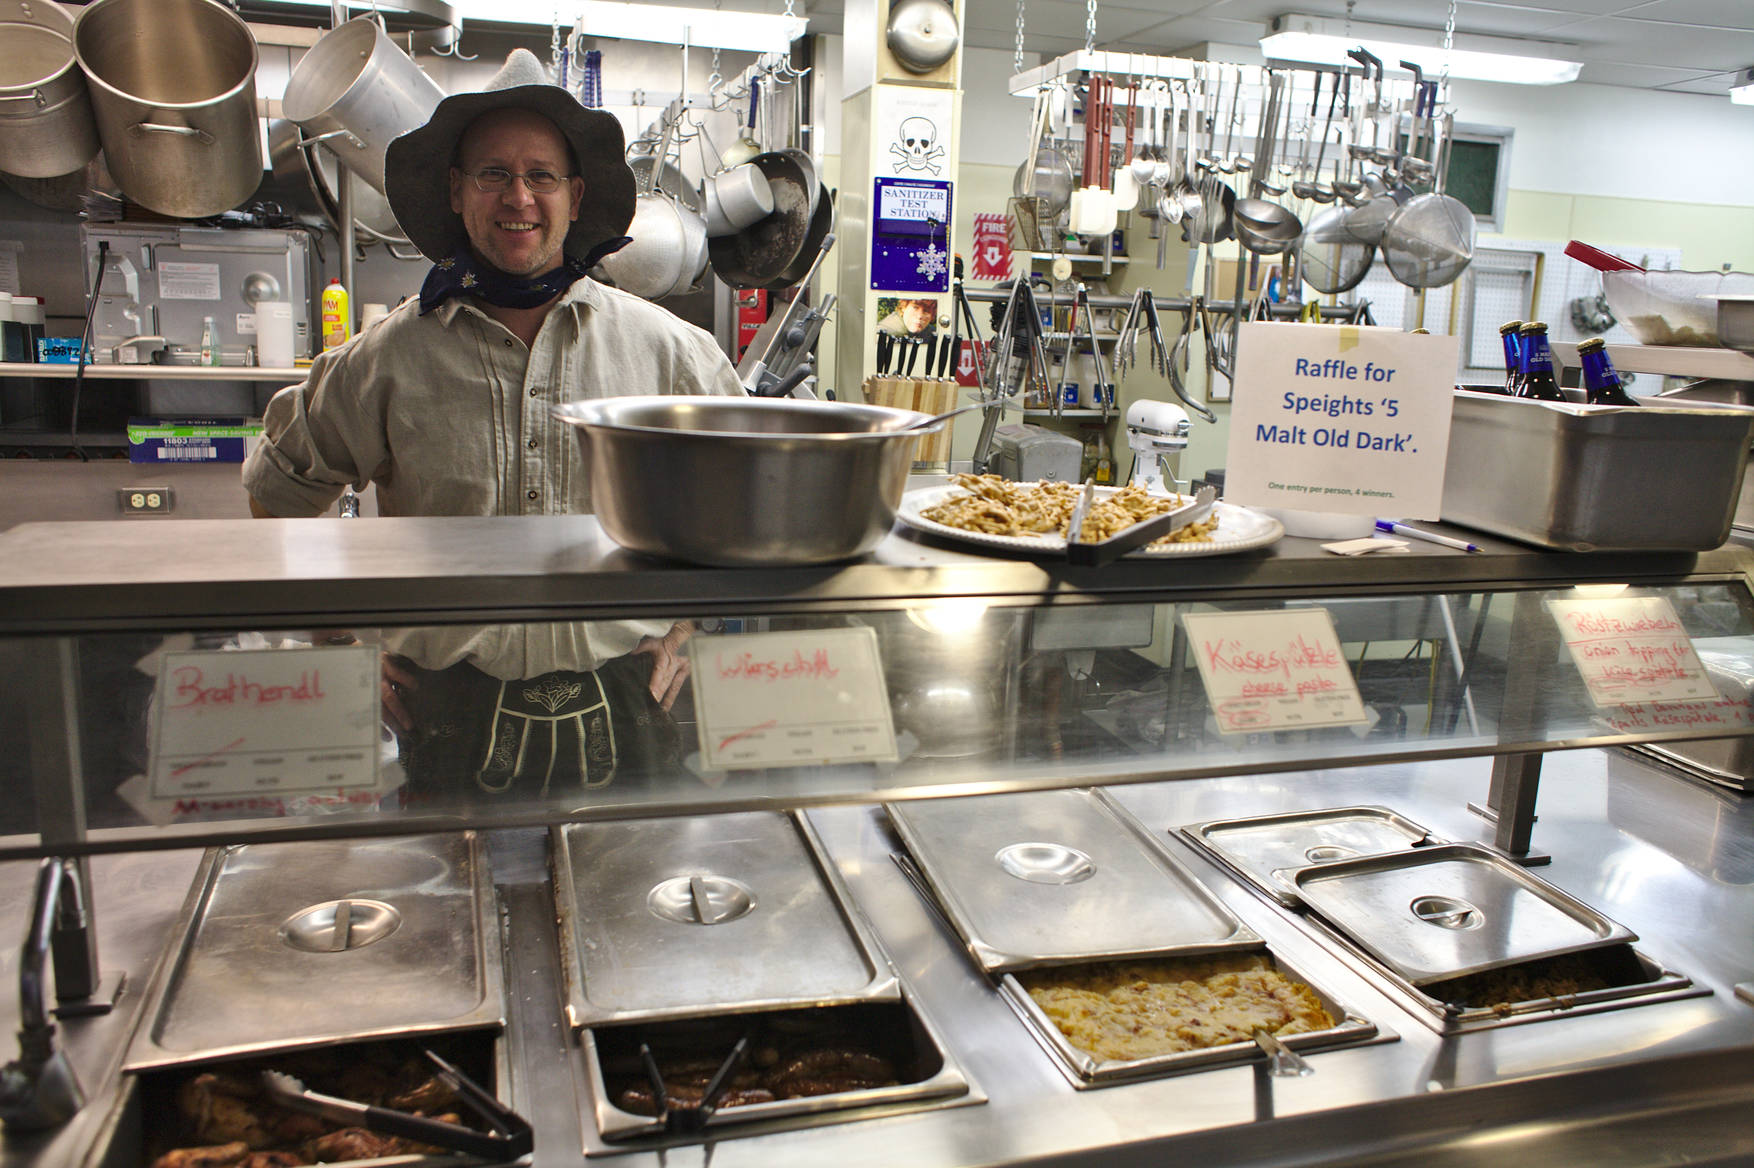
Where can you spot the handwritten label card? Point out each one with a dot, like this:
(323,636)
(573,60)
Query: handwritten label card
(803,698)
(1631,649)
(1728,715)
(266,721)
(1341,419)
(1274,670)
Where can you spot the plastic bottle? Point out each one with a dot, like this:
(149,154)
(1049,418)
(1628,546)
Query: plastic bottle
(209,346)
(29,312)
(1601,382)
(1105,471)
(337,318)
(1538,381)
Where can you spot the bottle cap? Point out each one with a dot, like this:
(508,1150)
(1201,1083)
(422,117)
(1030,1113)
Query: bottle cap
(1593,345)
(1534,326)
(1509,326)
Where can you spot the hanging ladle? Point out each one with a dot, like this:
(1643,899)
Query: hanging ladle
(1315,191)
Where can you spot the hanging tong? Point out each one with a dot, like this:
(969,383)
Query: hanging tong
(1103,389)
(1021,320)
(689,1117)
(511,1136)
(1163,361)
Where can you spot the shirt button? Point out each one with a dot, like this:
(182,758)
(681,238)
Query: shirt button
(508,342)
(532,393)
(534,494)
(533,443)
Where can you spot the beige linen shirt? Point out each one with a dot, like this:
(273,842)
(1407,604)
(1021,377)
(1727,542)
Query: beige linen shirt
(447,414)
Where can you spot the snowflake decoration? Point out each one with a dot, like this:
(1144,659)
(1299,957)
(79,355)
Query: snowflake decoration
(932,262)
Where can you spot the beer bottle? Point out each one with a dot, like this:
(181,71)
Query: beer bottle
(1513,372)
(1536,362)
(1601,384)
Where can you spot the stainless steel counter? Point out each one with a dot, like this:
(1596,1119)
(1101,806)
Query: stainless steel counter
(1658,1083)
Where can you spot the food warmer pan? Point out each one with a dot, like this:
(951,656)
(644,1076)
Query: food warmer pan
(1576,477)
(345,958)
(687,934)
(1265,849)
(1067,881)
(1479,941)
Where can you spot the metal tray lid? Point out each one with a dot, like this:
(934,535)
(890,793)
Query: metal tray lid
(1265,848)
(1051,877)
(676,917)
(1451,909)
(300,944)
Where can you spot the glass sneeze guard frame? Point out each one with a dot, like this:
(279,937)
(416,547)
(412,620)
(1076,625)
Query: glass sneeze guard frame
(1001,674)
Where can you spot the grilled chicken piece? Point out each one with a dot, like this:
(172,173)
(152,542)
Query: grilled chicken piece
(218,1156)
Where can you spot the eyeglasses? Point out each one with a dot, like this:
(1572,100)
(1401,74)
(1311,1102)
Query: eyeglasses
(494,180)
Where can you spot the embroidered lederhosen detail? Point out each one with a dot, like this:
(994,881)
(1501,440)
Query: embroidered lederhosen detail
(565,713)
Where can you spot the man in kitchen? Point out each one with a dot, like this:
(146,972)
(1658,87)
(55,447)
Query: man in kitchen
(513,192)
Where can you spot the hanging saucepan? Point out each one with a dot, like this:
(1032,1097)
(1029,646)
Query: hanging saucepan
(46,124)
(303,165)
(75,192)
(661,260)
(821,225)
(922,34)
(735,198)
(758,255)
(358,91)
(173,88)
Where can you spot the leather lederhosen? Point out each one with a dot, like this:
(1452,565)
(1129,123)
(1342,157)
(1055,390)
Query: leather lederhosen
(477,737)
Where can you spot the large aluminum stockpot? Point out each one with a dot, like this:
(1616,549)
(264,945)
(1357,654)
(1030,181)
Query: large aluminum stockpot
(173,86)
(744,481)
(358,91)
(46,127)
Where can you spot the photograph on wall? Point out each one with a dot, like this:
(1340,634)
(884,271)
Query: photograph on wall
(912,132)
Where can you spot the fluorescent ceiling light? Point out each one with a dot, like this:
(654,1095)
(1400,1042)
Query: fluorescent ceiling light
(1473,58)
(710,28)
(755,32)
(1742,88)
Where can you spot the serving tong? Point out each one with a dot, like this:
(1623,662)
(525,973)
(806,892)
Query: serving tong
(1095,553)
(685,1117)
(511,1136)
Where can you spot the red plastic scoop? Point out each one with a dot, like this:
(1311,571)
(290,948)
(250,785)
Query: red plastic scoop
(1598,259)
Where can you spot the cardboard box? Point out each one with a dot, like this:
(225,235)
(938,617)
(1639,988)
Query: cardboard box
(162,440)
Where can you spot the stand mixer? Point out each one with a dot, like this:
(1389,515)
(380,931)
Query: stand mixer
(1154,429)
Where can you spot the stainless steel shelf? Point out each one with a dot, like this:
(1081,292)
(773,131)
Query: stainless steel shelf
(1670,360)
(157,373)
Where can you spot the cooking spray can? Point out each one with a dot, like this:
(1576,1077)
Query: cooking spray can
(337,318)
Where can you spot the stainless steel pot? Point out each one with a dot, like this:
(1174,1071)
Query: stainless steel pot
(293,159)
(46,124)
(173,87)
(668,253)
(744,481)
(358,92)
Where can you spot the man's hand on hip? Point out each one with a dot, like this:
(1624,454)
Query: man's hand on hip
(669,662)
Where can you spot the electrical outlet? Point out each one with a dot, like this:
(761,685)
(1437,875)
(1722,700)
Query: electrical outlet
(146,500)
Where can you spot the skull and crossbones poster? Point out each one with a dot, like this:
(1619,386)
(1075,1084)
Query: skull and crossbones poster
(913,132)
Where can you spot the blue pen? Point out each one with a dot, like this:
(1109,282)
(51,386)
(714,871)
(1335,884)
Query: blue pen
(1393,528)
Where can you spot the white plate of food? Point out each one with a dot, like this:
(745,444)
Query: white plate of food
(1001,519)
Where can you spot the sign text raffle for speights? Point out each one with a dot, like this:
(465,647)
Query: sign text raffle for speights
(1339,418)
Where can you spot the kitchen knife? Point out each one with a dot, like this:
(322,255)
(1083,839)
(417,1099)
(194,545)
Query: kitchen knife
(1099,552)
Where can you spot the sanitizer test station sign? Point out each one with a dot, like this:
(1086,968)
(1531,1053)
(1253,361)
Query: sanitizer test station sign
(1342,419)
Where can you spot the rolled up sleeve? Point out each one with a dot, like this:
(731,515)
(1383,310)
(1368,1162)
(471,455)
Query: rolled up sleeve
(318,437)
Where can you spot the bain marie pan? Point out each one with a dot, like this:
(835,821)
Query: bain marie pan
(1042,881)
(1266,850)
(284,946)
(688,933)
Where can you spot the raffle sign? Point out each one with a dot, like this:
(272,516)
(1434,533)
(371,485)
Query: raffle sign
(1632,650)
(1339,418)
(1279,670)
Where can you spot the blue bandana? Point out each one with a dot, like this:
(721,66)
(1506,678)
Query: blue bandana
(464,275)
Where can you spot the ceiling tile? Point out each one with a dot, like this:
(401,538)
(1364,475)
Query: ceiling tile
(1738,14)
(1668,45)
(1634,76)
